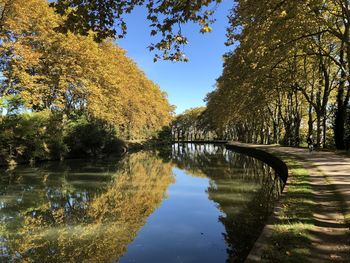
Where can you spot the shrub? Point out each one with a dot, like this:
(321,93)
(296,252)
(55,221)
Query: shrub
(91,138)
(31,136)
(48,136)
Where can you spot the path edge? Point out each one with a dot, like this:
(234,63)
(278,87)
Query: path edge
(261,244)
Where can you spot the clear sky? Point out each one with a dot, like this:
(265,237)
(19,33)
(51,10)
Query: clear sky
(186,83)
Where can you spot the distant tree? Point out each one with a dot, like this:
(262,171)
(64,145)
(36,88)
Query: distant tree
(191,125)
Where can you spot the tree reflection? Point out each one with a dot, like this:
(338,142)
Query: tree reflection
(83,211)
(80,215)
(244,188)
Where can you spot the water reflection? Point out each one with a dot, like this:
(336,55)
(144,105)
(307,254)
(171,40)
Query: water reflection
(244,188)
(193,203)
(79,211)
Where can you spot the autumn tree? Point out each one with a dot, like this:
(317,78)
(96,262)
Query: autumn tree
(193,125)
(291,63)
(73,73)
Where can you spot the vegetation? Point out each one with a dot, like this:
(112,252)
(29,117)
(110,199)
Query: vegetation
(191,126)
(48,136)
(166,18)
(67,90)
(288,78)
(291,241)
(73,78)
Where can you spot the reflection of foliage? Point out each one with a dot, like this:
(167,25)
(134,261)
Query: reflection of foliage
(244,224)
(80,211)
(244,188)
(73,224)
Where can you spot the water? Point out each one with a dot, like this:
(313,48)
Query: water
(188,203)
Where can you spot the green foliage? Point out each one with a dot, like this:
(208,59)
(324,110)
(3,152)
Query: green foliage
(165,134)
(91,138)
(166,17)
(30,137)
(11,104)
(47,136)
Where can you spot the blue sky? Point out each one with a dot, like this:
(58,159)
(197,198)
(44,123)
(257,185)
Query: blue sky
(186,83)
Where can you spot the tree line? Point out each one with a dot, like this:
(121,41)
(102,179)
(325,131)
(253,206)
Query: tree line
(288,76)
(70,75)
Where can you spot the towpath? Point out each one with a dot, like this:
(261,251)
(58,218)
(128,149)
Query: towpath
(330,181)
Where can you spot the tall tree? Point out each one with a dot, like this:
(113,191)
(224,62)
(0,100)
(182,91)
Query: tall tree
(70,72)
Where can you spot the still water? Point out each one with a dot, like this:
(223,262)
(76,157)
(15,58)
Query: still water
(188,203)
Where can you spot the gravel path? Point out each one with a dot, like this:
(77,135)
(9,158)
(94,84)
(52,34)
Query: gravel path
(330,181)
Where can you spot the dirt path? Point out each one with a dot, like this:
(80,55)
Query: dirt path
(330,181)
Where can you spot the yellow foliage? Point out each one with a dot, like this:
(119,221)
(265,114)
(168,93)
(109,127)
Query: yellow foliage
(100,228)
(69,72)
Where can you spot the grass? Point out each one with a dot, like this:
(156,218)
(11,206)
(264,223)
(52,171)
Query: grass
(290,241)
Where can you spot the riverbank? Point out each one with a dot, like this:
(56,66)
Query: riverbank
(123,148)
(311,221)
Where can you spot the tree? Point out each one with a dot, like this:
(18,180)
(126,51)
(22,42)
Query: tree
(191,125)
(106,18)
(291,58)
(74,74)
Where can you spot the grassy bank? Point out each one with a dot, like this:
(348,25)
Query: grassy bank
(290,241)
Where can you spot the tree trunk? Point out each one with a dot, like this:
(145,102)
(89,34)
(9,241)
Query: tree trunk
(318,129)
(340,114)
(324,131)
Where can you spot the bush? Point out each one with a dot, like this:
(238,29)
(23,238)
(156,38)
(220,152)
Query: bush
(165,134)
(30,137)
(91,139)
(46,136)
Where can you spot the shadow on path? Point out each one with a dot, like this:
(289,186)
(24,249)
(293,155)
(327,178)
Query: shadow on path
(329,181)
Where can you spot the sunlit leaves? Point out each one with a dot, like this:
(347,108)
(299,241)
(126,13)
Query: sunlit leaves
(106,18)
(287,62)
(71,72)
